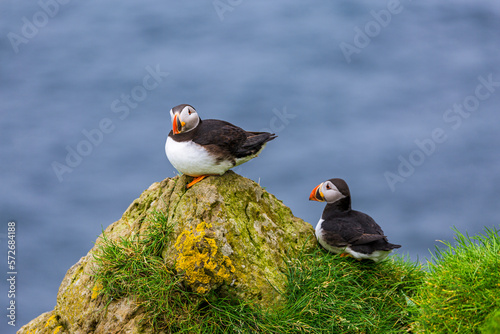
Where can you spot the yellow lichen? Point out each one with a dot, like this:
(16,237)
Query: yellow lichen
(51,321)
(201,290)
(229,264)
(204,267)
(213,245)
(202,226)
(223,272)
(96,290)
(210,265)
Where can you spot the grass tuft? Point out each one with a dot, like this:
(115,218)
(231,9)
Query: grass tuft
(492,323)
(134,267)
(325,294)
(330,294)
(463,284)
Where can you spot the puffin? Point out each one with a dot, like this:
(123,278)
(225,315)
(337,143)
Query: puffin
(200,148)
(344,231)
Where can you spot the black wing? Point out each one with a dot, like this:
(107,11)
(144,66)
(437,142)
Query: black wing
(341,231)
(223,134)
(354,229)
(231,138)
(372,238)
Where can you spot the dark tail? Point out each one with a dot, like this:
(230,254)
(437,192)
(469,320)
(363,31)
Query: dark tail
(254,143)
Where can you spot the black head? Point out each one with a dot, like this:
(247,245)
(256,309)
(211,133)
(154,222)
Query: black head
(333,191)
(342,186)
(184,118)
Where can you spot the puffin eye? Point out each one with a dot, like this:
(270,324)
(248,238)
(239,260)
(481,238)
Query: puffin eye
(328,187)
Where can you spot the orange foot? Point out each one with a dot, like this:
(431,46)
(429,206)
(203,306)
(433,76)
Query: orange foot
(196,180)
(348,255)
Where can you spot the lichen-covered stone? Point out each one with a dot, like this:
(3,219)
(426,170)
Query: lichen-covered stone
(199,258)
(229,234)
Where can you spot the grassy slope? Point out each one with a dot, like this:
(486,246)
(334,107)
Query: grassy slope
(325,293)
(462,286)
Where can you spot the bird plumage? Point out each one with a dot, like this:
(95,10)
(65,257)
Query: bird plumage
(209,147)
(343,230)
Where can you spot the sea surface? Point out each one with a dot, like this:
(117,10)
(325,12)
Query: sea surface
(399,98)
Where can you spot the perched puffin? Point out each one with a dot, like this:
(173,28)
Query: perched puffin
(345,231)
(210,147)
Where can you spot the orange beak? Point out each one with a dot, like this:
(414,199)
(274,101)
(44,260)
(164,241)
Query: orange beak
(316,194)
(176,124)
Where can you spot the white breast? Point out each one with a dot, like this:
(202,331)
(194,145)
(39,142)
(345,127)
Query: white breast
(192,159)
(322,242)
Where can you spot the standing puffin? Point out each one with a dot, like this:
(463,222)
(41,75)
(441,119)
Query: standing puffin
(345,231)
(211,147)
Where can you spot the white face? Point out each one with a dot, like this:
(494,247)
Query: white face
(330,192)
(184,121)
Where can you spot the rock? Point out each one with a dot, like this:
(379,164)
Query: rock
(230,235)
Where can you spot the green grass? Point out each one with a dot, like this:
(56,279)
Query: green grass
(462,286)
(492,323)
(458,293)
(330,294)
(325,294)
(134,267)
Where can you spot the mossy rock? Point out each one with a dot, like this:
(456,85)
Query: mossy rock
(230,236)
(240,222)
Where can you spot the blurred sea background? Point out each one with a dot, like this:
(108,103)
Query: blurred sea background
(392,96)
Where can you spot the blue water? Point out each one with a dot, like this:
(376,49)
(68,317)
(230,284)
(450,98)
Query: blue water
(344,103)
